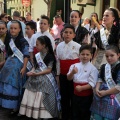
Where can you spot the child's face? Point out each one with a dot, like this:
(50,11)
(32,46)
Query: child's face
(68,35)
(29,31)
(39,46)
(44,25)
(85,56)
(3,29)
(14,29)
(111,56)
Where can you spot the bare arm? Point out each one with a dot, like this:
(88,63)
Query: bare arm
(24,66)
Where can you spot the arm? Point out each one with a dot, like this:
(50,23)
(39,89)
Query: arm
(23,70)
(81,88)
(31,57)
(113,90)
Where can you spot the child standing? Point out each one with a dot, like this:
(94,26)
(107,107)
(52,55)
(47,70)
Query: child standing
(3,36)
(30,30)
(41,97)
(67,54)
(106,103)
(12,76)
(84,76)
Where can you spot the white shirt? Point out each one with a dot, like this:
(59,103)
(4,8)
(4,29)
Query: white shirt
(67,51)
(28,39)
(87,73)
(38,34)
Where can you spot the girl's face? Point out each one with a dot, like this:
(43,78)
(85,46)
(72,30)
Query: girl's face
(94,15)
(14,29)
(39,46)
(74,18)
(111,56)
(3,29)
(108,18)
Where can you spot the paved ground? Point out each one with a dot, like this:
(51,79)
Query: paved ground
(5,115)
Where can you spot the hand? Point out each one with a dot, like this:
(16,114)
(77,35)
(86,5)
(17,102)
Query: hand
(102,93)
(23,70)
(79,88)
(97,92)
(74,70)
(31,73)
(1,64)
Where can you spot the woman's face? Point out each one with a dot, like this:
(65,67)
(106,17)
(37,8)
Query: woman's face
(108,18)
(3,29)
(74,18)
(94,15)
(5,18)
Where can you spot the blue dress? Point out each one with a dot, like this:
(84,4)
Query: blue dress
(102,108)
(11,81)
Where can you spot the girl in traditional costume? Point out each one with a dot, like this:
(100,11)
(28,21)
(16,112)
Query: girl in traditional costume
(106,102)
(41,97)
(3,36)
(12,76)
(108,35)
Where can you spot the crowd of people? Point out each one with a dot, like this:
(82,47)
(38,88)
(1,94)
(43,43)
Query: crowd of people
(70,71)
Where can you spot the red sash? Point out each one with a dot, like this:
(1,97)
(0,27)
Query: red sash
(82,93)
(65,65)
(35,51)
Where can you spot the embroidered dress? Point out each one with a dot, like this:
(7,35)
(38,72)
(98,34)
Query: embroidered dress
(39,100)
(11,81)
(106,107)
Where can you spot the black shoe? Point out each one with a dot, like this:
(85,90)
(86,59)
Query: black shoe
(13,113)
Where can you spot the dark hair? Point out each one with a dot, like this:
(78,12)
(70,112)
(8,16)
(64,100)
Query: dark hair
(9,18)
(23,18)
(3,22)
(114,33)
(32,25)
(3,15)
(38,19)
(79,14)
(113,48)
(44,40)
(86,47)
(16,14)
(57,16)
(115,14)
(96,16)
(68,26)
(46,18)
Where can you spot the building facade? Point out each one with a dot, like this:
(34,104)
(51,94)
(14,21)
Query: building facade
(39,7)
(99,6)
